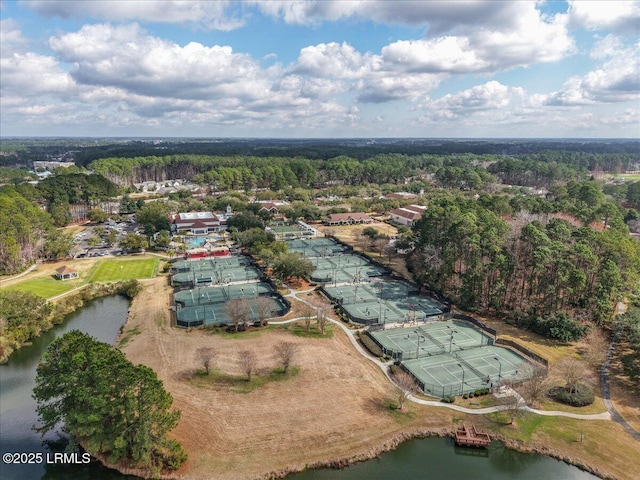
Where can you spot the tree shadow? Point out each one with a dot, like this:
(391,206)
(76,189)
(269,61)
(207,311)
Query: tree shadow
(378,404)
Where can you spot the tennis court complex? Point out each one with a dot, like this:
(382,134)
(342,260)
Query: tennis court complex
(461,372)
(203,288)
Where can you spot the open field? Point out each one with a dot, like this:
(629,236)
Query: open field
(112,270)
(42,280)
(628,177)
(46,286)
(335,408)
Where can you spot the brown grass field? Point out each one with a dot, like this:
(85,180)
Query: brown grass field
(334,409)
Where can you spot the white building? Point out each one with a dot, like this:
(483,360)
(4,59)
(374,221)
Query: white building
(407,215)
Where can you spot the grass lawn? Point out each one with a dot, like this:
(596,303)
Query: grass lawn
(112,270)
(630,177)
(46,287)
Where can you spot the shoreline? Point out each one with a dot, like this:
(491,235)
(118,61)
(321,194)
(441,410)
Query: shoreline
(375,451)
(70,302)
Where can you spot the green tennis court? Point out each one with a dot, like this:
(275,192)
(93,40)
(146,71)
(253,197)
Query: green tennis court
(431,339)
(217,276)
(217,313)
(383,302)
(316,247)
(461,372)
(220,294)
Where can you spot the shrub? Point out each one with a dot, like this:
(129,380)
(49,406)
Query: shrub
(448,399)
(582,397)
(395,369)
(371,345)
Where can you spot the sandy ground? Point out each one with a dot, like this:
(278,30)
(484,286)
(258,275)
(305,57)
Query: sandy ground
(334,408)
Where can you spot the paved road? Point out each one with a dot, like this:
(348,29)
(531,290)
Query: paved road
(604,385)
(384,366)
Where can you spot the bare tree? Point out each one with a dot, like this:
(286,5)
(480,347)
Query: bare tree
(573,372)
(361,241)
(321,319)
(308,312)
(263,309)
(248,362)
(536,384)
(513,405)
(285,352)
(206,356)
(238,310)
(380,243)
(406,386)
(594,347)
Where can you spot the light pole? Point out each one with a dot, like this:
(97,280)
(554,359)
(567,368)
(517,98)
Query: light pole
(462,384)
(420,337)
(379,311)
(499,370)
(451,338)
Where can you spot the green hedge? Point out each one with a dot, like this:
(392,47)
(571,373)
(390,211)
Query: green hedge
(371,345)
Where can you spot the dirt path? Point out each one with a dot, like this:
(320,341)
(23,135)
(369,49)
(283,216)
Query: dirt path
(334,410)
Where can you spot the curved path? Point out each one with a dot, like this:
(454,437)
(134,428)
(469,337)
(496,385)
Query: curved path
(384,366)
(22,274)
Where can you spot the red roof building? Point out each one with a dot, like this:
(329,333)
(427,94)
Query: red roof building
(347,218)
(407,215)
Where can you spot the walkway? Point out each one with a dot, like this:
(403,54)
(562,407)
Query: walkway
(28,270)
(604,384)
(384,366)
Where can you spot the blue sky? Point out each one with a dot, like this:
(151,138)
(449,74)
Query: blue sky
(320,68)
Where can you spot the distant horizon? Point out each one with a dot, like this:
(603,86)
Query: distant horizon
(106,137)
(320,69)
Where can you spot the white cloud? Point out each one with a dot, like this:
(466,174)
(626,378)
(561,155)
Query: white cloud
(126,57)
(474,101)
(619,16)
(204,13)
(31,74)
(439,16)
(334,59)
(616,80)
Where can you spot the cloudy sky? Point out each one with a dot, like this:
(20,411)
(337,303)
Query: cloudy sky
(331,68)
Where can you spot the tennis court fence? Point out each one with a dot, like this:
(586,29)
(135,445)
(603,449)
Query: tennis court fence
(475,371)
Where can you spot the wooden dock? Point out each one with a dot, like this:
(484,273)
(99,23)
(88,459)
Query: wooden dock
(471,437)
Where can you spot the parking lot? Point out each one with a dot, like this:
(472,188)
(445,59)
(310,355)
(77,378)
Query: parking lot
(83,249)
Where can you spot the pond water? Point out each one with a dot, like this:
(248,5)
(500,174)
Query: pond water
(431,458)
(437,458)
(101,319)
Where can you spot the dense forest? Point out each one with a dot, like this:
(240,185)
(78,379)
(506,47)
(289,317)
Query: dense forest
(29,213)
(526,266)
